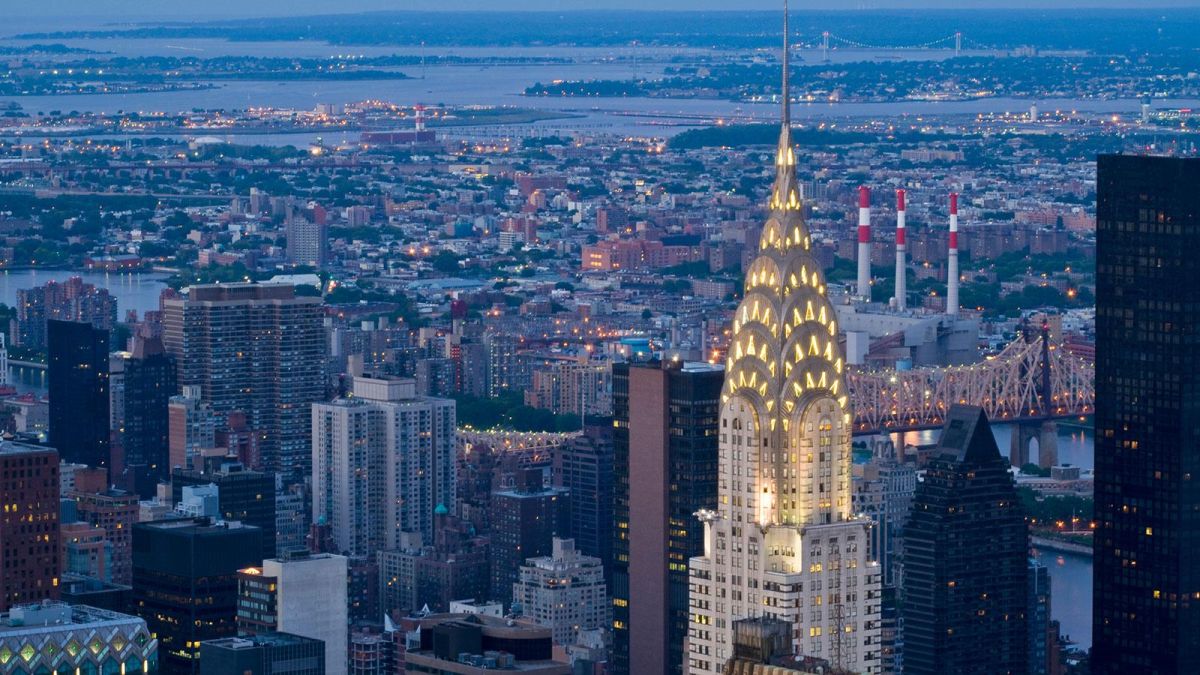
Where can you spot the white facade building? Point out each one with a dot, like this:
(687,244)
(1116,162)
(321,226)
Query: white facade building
(310,601)
(564,591)
(383,461)
(782,540)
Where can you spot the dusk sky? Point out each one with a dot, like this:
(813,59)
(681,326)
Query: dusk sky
(127,9)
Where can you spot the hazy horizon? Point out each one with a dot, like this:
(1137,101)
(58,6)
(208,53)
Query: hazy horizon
(118,10)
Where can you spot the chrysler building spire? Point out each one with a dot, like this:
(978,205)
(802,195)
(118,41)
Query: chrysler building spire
(782,540)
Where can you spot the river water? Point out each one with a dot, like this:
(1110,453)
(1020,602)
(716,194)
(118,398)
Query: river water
(133,291)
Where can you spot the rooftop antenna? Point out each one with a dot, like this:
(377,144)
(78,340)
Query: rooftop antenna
(787,90)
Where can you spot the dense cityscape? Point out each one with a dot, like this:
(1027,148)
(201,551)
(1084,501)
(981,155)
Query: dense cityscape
(598,343)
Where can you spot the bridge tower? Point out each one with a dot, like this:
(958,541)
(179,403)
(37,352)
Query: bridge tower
(825,46)
(958,43)
(1043,427)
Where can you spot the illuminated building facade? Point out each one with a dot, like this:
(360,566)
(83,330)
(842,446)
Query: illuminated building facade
(782,541)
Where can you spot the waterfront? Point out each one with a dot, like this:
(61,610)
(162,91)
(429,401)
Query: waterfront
(1071,594)
(133,291)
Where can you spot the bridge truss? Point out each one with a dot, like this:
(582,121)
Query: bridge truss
(1032,378)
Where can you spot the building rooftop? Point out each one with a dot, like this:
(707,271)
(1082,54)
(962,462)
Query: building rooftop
(48,617)
(17,448)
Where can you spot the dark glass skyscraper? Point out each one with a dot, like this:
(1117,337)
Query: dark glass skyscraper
(584,466)
(185,583)
(78,379)
(143,382)
(966,559)
(665,447)
(1146,605)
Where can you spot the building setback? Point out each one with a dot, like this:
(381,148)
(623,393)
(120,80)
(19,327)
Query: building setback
(258,349)
(525,520)
(665,451)
(564,591)
(1146,600)
(966,559)
(243,496)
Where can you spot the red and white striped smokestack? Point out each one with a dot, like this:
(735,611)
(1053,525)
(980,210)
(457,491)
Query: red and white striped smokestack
(901,251)
(952,262)
(420,117)
(864,243)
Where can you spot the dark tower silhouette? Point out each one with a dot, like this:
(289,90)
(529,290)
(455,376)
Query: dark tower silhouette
(966,550)
(1146,606)
(78,378)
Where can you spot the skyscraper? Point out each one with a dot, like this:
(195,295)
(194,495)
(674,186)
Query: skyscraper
(192,428)
(142,384)
(1146,601)
(258,349)
(78,379)
(584,467)
(966,558)
(30,557)
(665,448)
(383,462)
(782,540)
(185,583)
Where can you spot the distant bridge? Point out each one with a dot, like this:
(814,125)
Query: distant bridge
(1032,380)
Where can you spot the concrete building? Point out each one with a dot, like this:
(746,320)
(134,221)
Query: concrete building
(55,637)
(71,300)
(572,387)
(258,349)
(307,242)
(455,566)
(564,591)
(383,462)
(30,553)
(301,594)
